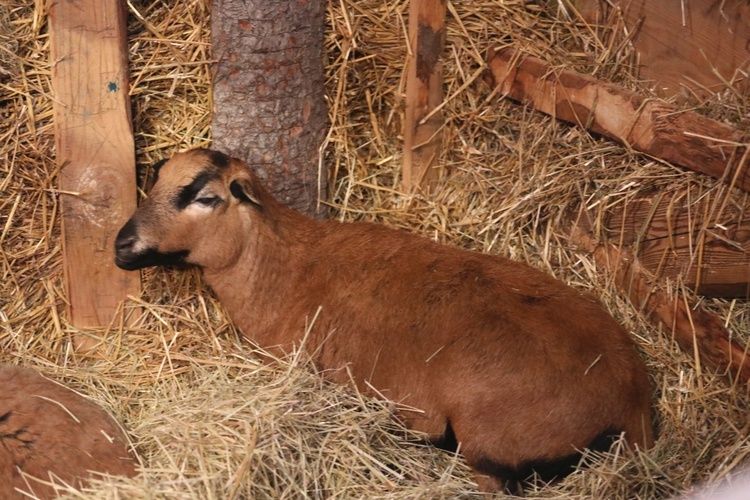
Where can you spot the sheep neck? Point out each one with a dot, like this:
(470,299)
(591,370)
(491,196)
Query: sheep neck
(255,289)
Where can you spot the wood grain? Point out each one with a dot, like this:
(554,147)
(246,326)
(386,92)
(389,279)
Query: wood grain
(692,238)
(95,152)
(699,45)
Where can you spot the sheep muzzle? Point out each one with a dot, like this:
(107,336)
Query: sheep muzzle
(130,257)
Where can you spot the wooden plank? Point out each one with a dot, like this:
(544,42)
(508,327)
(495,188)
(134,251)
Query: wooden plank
(95,152)
(654,127)
(424,93)
(691,237)
(700,44)
(697,331)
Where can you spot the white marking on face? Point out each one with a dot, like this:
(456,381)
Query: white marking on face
(197,208)
(139,246)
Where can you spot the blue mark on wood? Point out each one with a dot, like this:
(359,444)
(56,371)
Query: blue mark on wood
(112,87)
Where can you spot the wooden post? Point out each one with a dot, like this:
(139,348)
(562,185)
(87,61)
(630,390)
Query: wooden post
(95,152)
(659,129)
(424,93)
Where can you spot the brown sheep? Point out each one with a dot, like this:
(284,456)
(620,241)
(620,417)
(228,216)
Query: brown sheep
(520,369)
(50,434)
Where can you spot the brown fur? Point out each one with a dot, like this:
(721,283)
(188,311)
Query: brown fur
(52,434)
(522,367)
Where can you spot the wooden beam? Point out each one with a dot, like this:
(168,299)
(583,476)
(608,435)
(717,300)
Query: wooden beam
(656,128)
(95,152)
(424,93)
(694,238)
(697,331)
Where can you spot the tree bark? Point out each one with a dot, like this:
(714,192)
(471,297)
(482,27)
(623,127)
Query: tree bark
(269,108)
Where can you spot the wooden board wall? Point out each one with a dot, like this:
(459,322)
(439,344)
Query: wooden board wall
(691,44)
(697,238)
(95,152)
(692,237)
(698,331)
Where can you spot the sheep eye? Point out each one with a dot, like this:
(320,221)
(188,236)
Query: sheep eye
(207,200)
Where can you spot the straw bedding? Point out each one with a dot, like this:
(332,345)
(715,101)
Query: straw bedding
(206,418)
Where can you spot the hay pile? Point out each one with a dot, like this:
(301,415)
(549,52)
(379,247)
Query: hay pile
(206,418)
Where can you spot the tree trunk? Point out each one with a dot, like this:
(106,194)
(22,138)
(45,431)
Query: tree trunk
(269,108)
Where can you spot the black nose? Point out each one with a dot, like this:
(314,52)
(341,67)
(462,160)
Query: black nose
(125,238)
(125,257)
(123,243)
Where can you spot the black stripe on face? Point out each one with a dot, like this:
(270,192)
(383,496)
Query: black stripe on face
(187,193)
(150,258)
(218,159)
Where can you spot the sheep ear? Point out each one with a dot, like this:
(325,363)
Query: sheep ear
(155,170)
(156,167)
(242,189)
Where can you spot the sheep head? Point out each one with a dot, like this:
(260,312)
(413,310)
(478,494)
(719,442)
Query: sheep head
(197,213)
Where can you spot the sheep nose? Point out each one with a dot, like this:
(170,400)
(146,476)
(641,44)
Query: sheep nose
(124,242)
(126,238)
